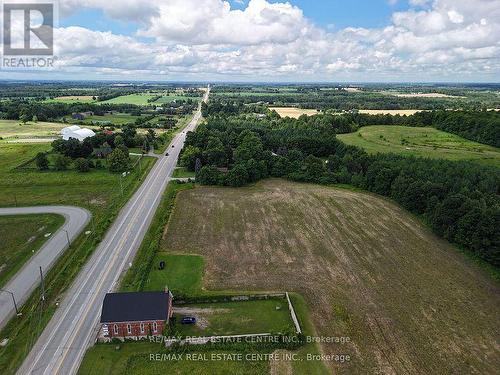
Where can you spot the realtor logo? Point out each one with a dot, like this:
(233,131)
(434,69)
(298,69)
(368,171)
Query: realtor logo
(28,29)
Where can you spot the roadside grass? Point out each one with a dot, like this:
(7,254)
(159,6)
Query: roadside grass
(98,191)
(367,269)
(182,172)
(420,141)
(139,358)
(22,236)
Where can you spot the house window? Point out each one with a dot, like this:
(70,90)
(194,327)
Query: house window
(129,329)
(142,327)
(115,329)
(155,327)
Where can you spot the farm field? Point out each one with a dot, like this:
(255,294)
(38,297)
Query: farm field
(367,269)
(69,99)
(97,190)
(417,141)
(13,128)
(142,99)
(22,236)
(137,99)
(115,119)
(293,112)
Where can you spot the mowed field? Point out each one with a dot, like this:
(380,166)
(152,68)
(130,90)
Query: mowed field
(425,142)
(394,112)
(22,236)
(293,112)
(409,302)
(12,128)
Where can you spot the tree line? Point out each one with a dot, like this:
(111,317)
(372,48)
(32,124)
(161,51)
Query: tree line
(459,200)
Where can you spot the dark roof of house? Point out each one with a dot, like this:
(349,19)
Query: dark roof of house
(135,306)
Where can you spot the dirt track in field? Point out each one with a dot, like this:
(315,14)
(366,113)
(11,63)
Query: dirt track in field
(410,303)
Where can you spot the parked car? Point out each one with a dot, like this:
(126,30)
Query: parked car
(166,154)
(188,320)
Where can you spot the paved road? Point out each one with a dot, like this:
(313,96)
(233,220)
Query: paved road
(61,347)
(28,277)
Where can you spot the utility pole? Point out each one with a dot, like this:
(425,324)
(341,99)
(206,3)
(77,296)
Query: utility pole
(42,284)
(121,184)
(13,300)
(67,237)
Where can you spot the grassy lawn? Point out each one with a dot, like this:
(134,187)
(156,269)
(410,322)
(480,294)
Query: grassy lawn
(135,358)
(98,191)
(22,236)
(425,142)
(366,268)
(234,318)
(12,128)
(182,172)
(182,274)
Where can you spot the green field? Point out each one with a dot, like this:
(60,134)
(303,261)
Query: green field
(13,128)
(424,142)
(22,236)
(115,119)
(137,99)
(97,190)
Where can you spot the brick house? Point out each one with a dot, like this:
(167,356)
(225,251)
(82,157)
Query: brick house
(135,315)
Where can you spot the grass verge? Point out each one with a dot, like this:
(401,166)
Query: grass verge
(22,236)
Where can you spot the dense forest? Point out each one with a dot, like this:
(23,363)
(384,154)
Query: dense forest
(340,99)
(459,200)
(479,126)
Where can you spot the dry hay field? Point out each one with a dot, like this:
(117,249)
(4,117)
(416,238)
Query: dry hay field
(293,112)
(410,302)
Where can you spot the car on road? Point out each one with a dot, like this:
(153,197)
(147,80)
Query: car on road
(188,320)
(166,154)
(172,146)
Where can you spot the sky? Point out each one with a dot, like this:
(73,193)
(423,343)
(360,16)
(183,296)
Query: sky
(275,40)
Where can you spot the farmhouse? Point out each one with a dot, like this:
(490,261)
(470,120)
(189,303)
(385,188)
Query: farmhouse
(82,115)
(135,315)
(76,132)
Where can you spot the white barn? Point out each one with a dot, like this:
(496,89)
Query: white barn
(76,132)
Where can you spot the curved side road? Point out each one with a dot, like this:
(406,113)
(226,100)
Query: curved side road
(28,277)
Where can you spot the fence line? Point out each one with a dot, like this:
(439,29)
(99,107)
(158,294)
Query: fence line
(294,316)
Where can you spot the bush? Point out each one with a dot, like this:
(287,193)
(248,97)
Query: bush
(41,161)
(61,162)
(82,165)
(118,161)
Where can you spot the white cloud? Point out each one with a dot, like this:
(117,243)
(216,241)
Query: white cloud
(207,38)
